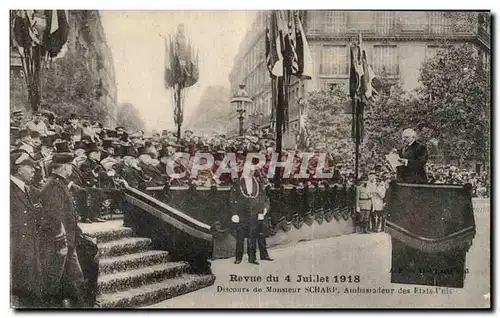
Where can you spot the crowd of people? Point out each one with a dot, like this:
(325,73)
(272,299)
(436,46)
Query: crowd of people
(68,170)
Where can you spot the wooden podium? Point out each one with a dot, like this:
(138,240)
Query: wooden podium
(432,227)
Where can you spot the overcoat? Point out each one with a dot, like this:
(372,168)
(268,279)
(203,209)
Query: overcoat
(24,245)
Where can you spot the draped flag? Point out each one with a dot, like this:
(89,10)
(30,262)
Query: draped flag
(57,34)
(37,35)
(287,55)
(181,70)
(274,57)
(361,88)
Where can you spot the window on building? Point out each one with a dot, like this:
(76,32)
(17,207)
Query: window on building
(486,61)
(335,21)
(361,21)
(315,21)
(385,60)
(415,21)
(334,60)
(384,22)
(438,23)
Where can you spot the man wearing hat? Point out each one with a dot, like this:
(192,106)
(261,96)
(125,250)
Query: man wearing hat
(364,203)
(378,191)
(25,269)
(108,148)
(59,209)
(79,185)
(73,128)
(129,168)
(150,171)
(136,140)
(25,142)
(37,124)
(90,170)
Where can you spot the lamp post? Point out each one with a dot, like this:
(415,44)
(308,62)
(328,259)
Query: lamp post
(241,98)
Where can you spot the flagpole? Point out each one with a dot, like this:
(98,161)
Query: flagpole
(357,133)
(279,123)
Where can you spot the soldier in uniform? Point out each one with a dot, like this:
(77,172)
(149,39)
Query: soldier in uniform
(25,268)
(249,205)
(59,209)
(378,195)
(364,203)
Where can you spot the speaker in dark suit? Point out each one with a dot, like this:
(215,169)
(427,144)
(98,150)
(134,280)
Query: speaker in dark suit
(414,158)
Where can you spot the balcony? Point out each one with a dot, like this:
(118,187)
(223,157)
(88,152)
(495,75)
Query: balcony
(383,24)
(484,37)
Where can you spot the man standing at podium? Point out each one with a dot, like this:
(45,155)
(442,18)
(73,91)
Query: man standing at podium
(413,157)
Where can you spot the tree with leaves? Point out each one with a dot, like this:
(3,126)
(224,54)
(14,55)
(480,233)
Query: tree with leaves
(326,121)
(68,87)
(130,118)
(454,103)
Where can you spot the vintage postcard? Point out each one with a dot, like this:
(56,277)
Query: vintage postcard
(250,159)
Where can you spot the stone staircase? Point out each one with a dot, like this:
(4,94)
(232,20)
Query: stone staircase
(132,274)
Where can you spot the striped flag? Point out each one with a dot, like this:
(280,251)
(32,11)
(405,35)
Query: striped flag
(360,87)
(57,34)
(274,57)
(368,92)
(287,54)
(304,69)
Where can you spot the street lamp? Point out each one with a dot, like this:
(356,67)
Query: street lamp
(241,98)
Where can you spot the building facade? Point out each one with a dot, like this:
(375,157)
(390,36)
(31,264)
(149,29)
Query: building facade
(396,43)
(87,38)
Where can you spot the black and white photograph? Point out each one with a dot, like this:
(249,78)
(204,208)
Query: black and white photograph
(287,159)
